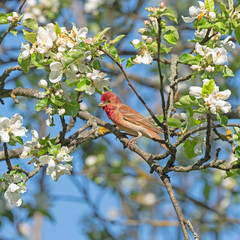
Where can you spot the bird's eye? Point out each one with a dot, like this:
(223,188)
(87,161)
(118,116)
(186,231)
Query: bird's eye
(108,101)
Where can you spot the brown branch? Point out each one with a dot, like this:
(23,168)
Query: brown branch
(165,179)
(25,92)
(7,157)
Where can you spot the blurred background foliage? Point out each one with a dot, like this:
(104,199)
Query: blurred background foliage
(111,194)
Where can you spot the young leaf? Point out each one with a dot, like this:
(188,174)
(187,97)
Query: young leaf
(223,120)
(209,5)
(31,24)
(237,34)
(24,63)
(174,122)
(42,104)
(130,62)
(187,101)
(30,36)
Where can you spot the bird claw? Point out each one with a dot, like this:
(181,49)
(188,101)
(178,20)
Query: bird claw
(131,142)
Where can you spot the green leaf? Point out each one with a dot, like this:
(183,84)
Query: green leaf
(130,62)
(189,148)
(187,101)
(237,34)
(114,54)
(96,64)
(3,18)
(223,120)
(30,36)
(102,33)
(72,108)
(208,88)
(170,35)
(72,56)
(220,26)
(209,5)
(82,85)
(164,48)
(186,57)
(168,13)
(14,140)
(227,72)
(31,24)
(39,60)
(14,32)
(174,122)
(24,63)
(117,39)
(42,104)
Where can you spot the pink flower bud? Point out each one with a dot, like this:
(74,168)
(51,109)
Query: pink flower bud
(162,5)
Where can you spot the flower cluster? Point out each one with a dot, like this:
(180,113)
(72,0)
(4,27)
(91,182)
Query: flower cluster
(55,168)
(68,54)
(11,128)
(213,98)
(31,148)
(13,186)
(146,55)
(42,10)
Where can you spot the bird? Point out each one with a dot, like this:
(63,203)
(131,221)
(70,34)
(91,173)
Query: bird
(127,119)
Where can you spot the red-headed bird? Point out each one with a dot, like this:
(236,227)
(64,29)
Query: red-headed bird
(128,119)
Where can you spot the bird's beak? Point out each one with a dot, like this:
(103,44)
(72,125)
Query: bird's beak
(102,104)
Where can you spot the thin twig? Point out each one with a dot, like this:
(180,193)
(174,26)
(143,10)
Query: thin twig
(13,24)
(7,157)
(176,206)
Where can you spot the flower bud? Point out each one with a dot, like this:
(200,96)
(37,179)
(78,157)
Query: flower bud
(212,15)
(61,111)
(210,69)
(135,41)
(144,37)
(10,18)
(146,22)
(196,67)
(43,83)
(15,15)
(149,40)
(162,5)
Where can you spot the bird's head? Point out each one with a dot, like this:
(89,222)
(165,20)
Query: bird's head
(109,98)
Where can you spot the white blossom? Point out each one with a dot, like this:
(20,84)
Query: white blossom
(45,38)
(215,101)
(25,50)
(228,45)
(195,12)
(98,81)
(219,55)
(55,169)
(31,147)
(13,194)
(11,126)
(57,71)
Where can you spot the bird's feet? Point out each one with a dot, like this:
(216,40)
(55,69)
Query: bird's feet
(131,142)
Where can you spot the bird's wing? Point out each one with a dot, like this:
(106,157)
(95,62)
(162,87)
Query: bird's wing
(128,114)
